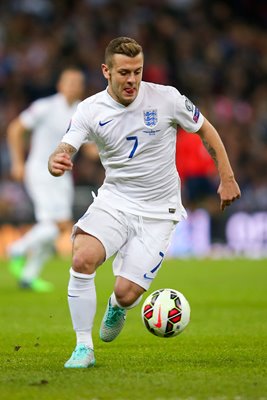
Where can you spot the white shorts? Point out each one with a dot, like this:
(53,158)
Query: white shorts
(52,197)
(140,243)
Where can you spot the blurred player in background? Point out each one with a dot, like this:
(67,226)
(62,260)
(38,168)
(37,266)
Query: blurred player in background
(47,119)
(134,125)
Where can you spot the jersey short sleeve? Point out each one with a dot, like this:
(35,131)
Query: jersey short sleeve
(78,131)
(186,114)
(34,113)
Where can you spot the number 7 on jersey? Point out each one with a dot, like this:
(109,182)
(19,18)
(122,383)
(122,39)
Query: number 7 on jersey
(135,139)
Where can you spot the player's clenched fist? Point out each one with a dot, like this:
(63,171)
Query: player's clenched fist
(60,160)
(59,163)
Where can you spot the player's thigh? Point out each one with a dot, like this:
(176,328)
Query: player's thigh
(141,258)
(109,227)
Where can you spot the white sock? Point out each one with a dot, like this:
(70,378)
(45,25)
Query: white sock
(36,260)
(42,232)
(82,305)
(114,302)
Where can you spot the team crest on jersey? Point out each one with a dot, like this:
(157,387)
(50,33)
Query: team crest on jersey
(150,118)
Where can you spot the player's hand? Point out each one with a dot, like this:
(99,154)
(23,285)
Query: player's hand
(59,163)
(228,191)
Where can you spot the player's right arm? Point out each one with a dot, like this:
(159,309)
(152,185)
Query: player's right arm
(60,159)
(16,144)
(76,135)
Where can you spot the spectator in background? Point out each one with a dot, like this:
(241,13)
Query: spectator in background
(199,179)
(196,169)
(47,119)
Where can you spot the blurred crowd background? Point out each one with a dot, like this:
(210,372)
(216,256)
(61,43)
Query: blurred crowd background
(214,52)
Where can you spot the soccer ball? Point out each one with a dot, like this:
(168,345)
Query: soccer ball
(165,313)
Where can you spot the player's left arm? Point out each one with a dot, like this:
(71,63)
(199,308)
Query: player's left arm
(228,189)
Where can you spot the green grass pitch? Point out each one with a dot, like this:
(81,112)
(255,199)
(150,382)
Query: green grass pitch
(221,355)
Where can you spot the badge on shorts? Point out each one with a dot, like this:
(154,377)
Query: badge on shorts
(150,118)
(172,210)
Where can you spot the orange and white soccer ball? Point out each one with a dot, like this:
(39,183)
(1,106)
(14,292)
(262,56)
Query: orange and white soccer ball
(166,313)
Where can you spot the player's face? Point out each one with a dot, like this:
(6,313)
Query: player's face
(72,85)
(124,77)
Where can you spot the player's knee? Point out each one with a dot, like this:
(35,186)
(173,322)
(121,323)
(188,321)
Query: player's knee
(85,261)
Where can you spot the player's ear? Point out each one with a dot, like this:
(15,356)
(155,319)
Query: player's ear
(105,71)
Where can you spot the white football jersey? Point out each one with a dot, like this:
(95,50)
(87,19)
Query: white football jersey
(48,119)
(137,147)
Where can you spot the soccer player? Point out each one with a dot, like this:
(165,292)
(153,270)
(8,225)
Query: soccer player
(47,119)
(134,125)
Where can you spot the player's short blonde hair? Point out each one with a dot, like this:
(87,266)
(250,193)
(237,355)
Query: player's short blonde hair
(122,45)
